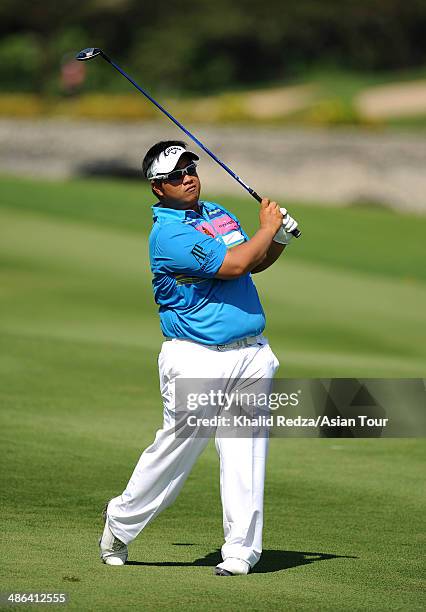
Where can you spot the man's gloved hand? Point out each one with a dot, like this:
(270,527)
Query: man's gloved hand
(284,235)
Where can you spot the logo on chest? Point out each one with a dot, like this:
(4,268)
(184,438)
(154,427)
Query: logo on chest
(223,226)
(206,229)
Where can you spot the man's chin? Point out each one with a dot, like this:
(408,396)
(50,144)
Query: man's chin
(191,200)
(186,203)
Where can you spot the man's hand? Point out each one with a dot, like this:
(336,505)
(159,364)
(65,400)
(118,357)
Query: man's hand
(243,258)
(270,216)
(284,235)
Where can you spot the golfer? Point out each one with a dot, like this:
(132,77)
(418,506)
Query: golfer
(202,263)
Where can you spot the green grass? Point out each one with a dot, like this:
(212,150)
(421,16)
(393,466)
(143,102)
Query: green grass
(79,401)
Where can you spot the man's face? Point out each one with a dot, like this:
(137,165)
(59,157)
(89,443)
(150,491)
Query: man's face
(182,193)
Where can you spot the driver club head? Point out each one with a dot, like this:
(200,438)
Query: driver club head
(87,54)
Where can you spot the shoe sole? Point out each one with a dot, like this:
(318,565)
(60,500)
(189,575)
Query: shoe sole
(221,572)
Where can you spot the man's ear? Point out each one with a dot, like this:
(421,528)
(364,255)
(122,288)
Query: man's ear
(156,189)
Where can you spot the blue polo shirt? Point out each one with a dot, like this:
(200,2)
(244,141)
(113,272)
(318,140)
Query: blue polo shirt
(186,250)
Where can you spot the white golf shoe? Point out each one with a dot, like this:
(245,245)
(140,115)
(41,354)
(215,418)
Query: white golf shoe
(112,550)
(232,567)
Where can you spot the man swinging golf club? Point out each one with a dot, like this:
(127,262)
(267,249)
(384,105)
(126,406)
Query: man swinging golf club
(202,263)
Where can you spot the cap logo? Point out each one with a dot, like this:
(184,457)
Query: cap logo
(171,150)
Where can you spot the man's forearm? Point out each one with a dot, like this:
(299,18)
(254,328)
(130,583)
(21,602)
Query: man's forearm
(272,255)
(245,257)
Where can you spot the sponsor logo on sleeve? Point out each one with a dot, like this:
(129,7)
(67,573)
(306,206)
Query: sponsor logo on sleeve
(232,239)
(199,253)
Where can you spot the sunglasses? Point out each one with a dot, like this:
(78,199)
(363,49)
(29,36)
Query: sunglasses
(175,175)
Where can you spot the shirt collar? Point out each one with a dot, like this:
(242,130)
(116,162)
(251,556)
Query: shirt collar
(174,214)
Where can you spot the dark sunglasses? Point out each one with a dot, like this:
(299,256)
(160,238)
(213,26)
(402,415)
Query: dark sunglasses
(175,175)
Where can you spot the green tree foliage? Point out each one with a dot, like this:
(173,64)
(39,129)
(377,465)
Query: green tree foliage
(206,45)
(20,62)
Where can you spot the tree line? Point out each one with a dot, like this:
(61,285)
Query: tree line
(206,45)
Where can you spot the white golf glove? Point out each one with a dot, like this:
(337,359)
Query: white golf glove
(284,235)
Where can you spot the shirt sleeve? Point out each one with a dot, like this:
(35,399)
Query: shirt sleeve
(181,249)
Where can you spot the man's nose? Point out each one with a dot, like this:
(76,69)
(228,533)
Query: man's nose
(187,178)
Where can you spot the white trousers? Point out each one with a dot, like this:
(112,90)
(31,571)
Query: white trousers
(164,466)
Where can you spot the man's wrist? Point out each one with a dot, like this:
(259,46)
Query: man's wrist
(267,231)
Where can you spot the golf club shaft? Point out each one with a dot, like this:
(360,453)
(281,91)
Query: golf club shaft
(251,191)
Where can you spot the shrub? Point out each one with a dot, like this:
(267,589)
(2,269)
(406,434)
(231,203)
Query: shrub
(20,63)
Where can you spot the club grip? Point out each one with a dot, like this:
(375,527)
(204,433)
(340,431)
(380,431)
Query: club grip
(296,232)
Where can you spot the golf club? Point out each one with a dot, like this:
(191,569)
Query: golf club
(91,52)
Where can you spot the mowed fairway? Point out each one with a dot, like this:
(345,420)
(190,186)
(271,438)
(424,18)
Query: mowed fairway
(79,400)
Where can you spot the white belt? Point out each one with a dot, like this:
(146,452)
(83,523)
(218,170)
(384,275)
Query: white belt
(249,341)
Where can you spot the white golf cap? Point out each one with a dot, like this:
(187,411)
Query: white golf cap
(167,160)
